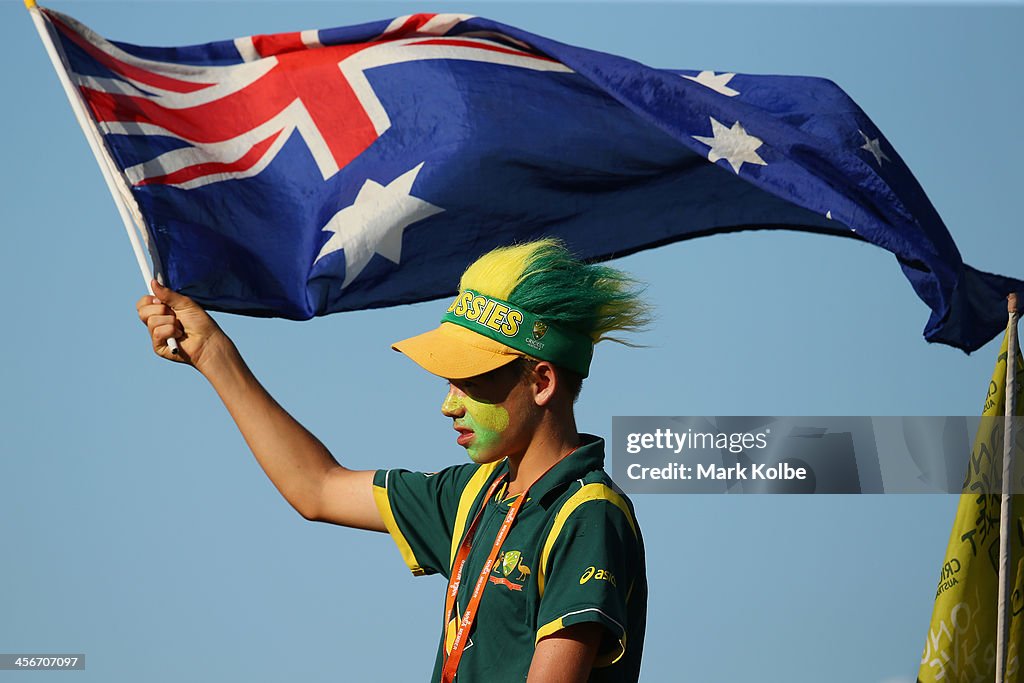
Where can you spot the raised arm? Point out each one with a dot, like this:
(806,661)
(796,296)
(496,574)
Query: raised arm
(301,467)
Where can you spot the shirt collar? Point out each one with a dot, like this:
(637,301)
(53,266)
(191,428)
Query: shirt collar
(587,457)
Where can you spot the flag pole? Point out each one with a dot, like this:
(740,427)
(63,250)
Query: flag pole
(126,206)
(1006,509)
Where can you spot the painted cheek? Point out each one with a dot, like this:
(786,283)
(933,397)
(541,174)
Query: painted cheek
(487,416)
(487,422)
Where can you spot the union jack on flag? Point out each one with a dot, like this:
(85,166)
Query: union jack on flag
(305,173)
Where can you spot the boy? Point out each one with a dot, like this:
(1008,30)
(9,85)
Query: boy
(544,557)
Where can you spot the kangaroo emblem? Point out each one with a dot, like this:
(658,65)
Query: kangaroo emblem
(512,561)
(507,563)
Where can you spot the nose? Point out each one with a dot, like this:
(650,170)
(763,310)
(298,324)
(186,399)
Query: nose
(453,406)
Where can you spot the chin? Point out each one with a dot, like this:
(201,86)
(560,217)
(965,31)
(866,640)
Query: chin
(485,457)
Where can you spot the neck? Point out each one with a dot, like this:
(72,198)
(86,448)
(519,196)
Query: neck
(550,444)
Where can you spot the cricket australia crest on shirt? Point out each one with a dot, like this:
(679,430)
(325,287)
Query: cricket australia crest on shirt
(510,564)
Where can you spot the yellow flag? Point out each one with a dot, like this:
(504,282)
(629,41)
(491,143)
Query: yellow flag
(961,642)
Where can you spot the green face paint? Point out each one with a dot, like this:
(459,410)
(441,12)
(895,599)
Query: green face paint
(488,421)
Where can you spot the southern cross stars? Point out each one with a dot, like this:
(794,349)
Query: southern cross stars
(718,83)
(734,145)
(375,222)
(875,147)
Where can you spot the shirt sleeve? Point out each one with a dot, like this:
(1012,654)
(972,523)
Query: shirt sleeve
(591,560)
(420,511)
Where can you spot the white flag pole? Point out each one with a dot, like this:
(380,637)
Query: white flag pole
(1006,509)
(119,190)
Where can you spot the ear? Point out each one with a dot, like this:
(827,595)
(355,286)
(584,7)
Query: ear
(544,382)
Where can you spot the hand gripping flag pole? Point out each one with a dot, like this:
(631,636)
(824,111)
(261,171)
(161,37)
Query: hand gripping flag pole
(1006,508)
(126,205)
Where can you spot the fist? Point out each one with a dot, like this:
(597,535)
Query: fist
(169,315)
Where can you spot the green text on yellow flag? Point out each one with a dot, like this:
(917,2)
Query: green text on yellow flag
(961,642)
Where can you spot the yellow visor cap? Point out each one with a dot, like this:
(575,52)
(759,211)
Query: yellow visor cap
(453,352)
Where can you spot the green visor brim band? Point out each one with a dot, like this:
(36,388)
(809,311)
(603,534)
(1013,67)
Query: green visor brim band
(521,330)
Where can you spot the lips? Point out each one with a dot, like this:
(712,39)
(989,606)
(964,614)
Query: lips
(465,435)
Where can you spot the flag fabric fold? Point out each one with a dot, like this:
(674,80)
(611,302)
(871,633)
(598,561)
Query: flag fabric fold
(961,643)
(306,173)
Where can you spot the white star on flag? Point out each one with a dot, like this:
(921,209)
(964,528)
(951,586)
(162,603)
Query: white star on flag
(875,147)
(734,145)
(717,83)
(375,223)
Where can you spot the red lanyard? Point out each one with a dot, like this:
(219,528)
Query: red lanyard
(451,664)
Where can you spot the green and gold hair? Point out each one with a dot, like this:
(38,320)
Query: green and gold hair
(545,278)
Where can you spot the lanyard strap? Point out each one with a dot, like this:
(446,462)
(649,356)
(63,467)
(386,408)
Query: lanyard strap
(463,554)
(451,663)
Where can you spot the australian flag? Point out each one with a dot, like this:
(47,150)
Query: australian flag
(306,173)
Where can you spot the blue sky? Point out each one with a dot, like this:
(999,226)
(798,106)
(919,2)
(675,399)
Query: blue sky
(141,532)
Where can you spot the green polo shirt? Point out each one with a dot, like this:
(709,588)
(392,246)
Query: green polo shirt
(574,554)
